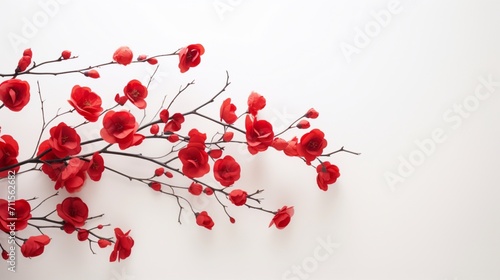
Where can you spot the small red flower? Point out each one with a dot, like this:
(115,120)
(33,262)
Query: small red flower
(5,255)
(282,218)
(66,54)
(190,56)
(195,188)
(73,211)
(23,63)
(136,92)
(327,175)
(121,100)
(238,197)
(259,135)
(20,216)
(291,148)
(311,145)
(279,144)
(15,94)
(227,112)
(9,150)
(256,102)
(169,174)
(154,129)
(92,74)
(303,124)
(34,246)
(96,167)
(64,141)
(159,171)
(208,191)
(123,55)
(164,115)
(215,154)
(172,138)
(194,161)
(121,127)
(228,136)
(123,246)
(196,139)
(152,61)
(227,171)
(311,114)
(175,123)
(155,186)
(103,243)
(204,220)
(86,102)
(73,176)
(83,234)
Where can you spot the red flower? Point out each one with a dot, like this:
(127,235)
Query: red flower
(208,191)
(256,102)
(64,141)
(194,161)
(15,94)
(204,220)
(53,169)
(66,54)
(123,246)
(238,197)
(155,186)
(23,63)
(96,167)
(103,243)
(5,255)
(164,115)
(172,138)
(73,211)
(154,129)
(9,150)
(136,93)
(92,74)
(327,175)
(83,234)
(175,123)
(311,145)
(152,60)
(279,144)
(291,148)
(311,114)
(121,127)
(73,175)
(195,188)
(86,103)
(226,171)
(282,218)
(159,171)
(228,136)
(215,154)
(259,135)
(190,56)
(123,55)
(227,112)
(121,100)
(303,124)
(19,217)
(34,246)
(196,139)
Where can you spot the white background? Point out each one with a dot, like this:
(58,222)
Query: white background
(441,221)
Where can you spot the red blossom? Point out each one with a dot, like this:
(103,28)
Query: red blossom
(96,167)
(20,217)
(34,246)
(123,55)
(66,54)
(256,102)
(15,94)
(208,191)
(226,171)
(5,255)
(311,145)
(159,171)
(73,211)
(123,246)
(73,175)
(9,150)
(121,127)
(227,112)
(86,102)
(195,188)
(238,197)
(155,186)
(303,124)
(164,115)
(327,175)
(92,74)
(136,92)
(279,144)
(172,138)
(190,56)
(259,134)
(291,148)
(282,218)
(311,114)
(196,139)
(83,234)
(121,100)
(103,243)
(228,136)
(154,129)
(23,63)
(194,161)
(175,123)
(169,174)
(215,154)
(64,141)
(204,220)
(152,61)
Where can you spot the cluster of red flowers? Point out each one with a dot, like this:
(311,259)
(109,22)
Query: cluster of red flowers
(61,160)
